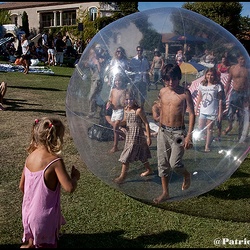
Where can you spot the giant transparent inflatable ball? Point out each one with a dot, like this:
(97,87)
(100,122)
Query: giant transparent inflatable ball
(166,30)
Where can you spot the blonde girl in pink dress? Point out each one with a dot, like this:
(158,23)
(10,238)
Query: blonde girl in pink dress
(43,175)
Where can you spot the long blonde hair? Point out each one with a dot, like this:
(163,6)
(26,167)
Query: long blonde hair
(23,38)
(48,132)
(216,79)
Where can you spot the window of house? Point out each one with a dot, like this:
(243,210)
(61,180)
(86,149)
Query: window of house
(57,18)
(47,19)
(93,13)
(69,17)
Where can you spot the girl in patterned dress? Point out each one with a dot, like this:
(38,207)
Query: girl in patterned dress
(136,146)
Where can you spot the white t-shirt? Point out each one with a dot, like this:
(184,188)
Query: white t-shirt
(44,39)
(210,100)
(140,67)
(25,46)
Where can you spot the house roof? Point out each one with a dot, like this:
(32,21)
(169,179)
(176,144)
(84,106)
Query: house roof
(21,5)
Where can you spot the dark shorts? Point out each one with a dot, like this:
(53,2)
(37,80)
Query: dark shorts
(26,57)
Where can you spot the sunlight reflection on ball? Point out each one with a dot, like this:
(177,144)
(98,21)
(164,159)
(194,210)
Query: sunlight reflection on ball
(165,29)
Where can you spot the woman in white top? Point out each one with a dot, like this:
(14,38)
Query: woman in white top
(210,98)
(118,64)
(25,58)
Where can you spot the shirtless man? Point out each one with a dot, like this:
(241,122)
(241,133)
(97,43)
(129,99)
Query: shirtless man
(172,137)
(239,99)
(117,101)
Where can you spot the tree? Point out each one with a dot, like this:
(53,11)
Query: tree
(244,34)
(25,23)
(128,8)
(121,9)
(125,8)
(4,17)
(226,14)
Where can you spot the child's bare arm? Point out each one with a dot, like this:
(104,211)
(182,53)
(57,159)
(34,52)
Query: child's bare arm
(69,183)
(21,184)
(146,124)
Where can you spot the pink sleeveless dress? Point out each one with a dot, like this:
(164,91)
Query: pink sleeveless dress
(41,209)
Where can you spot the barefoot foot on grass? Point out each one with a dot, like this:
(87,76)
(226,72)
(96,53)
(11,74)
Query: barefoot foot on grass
(186,181)
(162,198)
(28,244)
(114,149)
(119,180)
(146,173)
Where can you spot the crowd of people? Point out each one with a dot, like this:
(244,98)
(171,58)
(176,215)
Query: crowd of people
(169,110)
(174,111)
(124,110)
(51,50)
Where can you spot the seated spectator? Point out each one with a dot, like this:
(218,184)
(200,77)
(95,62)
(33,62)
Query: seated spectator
(179,57)
(41,53)
(33,53)
(3,89)
(223,66)
(208,57)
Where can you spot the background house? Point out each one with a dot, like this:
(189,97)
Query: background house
(44,15)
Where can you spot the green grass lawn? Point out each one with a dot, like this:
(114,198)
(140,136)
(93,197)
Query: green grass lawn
(97,215)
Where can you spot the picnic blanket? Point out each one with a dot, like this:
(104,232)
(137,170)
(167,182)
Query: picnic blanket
(20,68)
(5,40)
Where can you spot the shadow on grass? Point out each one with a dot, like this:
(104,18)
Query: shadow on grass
(115,239)
(68,76)
(10,246)
(32,88)
(17,105)
(227,202)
